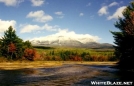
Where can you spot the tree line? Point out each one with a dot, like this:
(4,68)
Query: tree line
(76,54)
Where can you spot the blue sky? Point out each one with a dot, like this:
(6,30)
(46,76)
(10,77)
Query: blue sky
(39,18)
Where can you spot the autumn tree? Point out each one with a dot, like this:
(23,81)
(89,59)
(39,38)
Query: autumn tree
(30,54)
(124,39)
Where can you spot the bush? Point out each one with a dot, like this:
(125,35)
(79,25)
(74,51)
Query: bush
(30,54)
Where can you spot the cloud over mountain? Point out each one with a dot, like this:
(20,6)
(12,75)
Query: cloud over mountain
(39,16)
(68,35)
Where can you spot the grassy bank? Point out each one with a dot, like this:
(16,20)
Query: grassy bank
(28,64)
(45,64)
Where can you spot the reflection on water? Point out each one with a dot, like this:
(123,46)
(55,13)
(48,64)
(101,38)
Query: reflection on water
(67,75)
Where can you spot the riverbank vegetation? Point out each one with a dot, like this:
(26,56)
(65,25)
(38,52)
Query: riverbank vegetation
(67,54)
(75,54)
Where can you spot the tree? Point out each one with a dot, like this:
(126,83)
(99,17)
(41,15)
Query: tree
(124,39)
(11,46)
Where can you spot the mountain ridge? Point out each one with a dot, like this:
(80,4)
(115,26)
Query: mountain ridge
(69,42)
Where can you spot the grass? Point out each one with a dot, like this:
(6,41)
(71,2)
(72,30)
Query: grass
(27,64)
(44,64)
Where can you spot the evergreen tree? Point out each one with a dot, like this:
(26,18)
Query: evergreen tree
(11,46)
(124,39)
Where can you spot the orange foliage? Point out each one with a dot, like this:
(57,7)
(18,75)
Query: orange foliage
(76,58)
(30,54)
(11,47)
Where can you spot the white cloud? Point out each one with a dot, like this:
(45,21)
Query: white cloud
(60,14)
(4,24)
(11,2)
(113,4)
(117,14)
(103,11)
(39,16)
(50,28)
(32,28)
(37,2)
(81,14)
(29,28)
(66,34)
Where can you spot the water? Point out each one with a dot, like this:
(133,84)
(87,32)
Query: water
(66,75)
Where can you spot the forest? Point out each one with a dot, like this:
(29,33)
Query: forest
(75,54)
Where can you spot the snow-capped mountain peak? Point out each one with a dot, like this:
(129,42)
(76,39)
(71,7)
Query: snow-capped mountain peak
(60,39)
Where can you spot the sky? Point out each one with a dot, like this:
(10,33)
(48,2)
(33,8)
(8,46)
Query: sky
(32,19)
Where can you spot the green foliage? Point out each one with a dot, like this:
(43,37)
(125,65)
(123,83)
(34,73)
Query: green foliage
(27,44)
(11,46)
(124,39)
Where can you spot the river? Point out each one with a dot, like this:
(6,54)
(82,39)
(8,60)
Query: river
(65,75)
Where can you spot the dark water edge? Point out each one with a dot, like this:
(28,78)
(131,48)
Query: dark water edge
(66,75)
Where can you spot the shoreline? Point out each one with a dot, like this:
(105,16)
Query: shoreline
(45,64)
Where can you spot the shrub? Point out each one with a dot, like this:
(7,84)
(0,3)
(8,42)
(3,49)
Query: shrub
(30,54)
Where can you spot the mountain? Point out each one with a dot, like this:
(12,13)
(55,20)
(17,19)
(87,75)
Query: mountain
(51,41)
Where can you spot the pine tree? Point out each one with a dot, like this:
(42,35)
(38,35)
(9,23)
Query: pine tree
(11,44)
(124,39)
(13,47)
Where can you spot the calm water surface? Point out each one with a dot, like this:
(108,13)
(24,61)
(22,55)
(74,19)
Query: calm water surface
(66,75)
